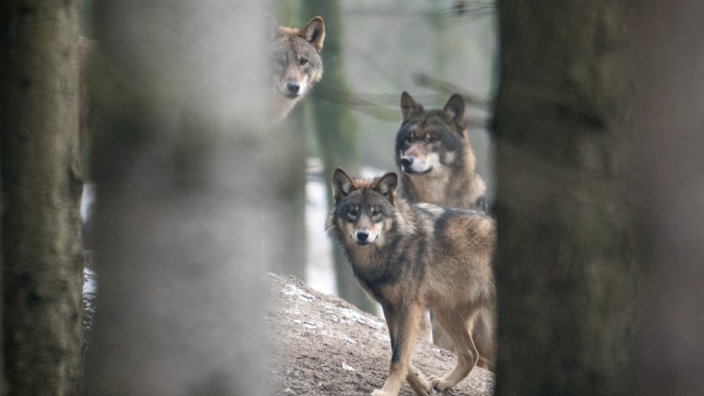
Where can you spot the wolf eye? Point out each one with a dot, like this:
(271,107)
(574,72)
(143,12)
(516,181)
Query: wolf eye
(375,213)
(279,63)
(303,61)
(433,138)
(352,213)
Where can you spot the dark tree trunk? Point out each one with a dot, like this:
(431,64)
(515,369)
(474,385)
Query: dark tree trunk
(565,269)
(41,188)
(669,174)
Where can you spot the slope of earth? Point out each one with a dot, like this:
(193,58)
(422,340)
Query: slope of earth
(325,346)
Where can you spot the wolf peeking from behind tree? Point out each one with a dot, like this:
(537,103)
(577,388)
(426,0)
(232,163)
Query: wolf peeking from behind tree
(414,257)
(437,165)
(296,62)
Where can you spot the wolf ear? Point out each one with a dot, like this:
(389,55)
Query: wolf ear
(273,28)
(314,32)
(454,108)
(342,185)
(409,107)
(386,185)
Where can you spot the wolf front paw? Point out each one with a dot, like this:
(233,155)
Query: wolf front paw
(381,392)
(440,384)
(420,385)
(424,391)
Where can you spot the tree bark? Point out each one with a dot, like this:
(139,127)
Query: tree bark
(186,176)
(41,186)
(565,268)
(669,180)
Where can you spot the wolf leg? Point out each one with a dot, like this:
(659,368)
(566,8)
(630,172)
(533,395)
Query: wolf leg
(484,338)
(403,326)
(415,378)
(440,336)
(467,354)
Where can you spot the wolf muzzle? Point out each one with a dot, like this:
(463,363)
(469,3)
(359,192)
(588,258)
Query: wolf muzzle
(293,88)
(407,162)
(364,237)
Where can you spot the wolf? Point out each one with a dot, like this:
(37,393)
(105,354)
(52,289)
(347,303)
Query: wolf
(438,166)
(435,156)
(414,257)
(296,62)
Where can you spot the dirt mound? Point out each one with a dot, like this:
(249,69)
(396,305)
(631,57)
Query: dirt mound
(326,346)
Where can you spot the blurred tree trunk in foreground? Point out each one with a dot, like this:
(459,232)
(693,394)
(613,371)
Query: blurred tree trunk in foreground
(335,128)
(669,173)
(565,269)
(41,189)
(186,175)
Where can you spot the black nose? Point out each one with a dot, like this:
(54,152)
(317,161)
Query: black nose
(362,236)
(293,87)
(406,161)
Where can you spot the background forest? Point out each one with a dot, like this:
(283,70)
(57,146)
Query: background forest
(373,52)
(596,146)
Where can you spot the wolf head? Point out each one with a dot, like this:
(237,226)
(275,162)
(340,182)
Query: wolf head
(363,208)
(430,139)
(295,55)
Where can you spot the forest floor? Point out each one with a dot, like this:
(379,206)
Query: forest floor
(326,346)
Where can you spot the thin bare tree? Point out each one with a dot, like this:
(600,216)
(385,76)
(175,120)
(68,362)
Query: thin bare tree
(335,129)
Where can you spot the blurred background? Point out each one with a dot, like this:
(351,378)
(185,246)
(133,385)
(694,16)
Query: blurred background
(199,195)
(373,51)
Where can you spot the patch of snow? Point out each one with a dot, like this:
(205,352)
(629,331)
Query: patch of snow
(87,201)
(320,272)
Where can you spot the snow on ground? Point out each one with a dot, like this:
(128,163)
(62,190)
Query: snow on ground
(320,274)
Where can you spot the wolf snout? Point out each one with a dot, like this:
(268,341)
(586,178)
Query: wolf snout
(406,161)
(362,236)
(293,88)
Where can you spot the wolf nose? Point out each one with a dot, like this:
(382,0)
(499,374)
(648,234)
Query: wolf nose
(362,236)
(293,87)
(406,161)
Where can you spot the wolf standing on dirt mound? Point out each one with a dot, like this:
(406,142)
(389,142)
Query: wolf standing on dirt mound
(413,257)
(437,165)
(297,65)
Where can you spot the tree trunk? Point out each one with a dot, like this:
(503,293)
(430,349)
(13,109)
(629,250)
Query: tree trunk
(186,177)
(669,174)
(41,188)
(335,129)
(566,275)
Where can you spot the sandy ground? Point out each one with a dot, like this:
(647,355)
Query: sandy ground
(325,346)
